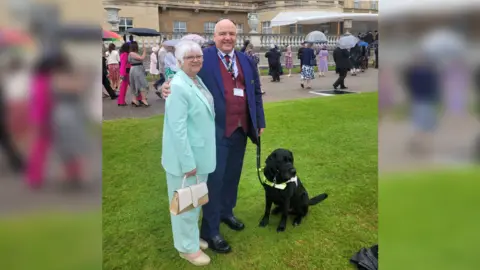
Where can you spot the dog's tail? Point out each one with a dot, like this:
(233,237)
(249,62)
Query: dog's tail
(317,199)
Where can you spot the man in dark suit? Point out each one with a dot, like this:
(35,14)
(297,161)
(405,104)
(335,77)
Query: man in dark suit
(234,83)
(273,56)
(342,66)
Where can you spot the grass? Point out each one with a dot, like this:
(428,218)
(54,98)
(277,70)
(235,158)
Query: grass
(51,241)
(334,141)
(429,220)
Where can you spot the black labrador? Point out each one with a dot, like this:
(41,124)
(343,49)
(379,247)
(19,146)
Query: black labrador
(292,197)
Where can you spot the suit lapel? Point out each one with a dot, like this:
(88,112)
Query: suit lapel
(216,70)
(245,65)
(203,98)
(198,92)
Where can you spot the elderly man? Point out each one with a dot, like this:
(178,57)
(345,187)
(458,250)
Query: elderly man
(234,83)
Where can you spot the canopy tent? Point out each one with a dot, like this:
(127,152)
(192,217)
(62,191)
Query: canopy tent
(318,17)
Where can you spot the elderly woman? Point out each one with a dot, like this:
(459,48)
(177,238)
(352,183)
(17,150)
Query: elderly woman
(189,149)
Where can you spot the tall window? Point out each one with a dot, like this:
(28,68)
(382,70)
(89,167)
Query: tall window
(239,28)
(179,27)
(374,5)
(124,25)
(296,30)
(356,4)
(266,28)
(209,27)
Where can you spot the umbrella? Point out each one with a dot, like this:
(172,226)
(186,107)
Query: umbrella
(144,32)
(111,36)
(78,32)
(194,37)
(171,43)
(347,42)
(443,42)
(316,37)
(14,37)
(366,258)
(363,44)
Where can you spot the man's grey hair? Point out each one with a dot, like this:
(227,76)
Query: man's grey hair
(184,47)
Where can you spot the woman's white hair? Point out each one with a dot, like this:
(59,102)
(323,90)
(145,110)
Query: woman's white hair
(184,47)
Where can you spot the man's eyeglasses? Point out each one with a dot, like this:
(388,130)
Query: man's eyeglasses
(193,57)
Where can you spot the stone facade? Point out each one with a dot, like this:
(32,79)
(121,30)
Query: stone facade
(196,20)
(161,14)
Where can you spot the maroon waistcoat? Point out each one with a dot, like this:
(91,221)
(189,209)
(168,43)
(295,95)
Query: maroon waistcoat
(236,107)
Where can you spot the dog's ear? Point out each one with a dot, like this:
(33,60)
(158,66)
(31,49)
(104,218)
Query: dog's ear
(291,156)
(269,170)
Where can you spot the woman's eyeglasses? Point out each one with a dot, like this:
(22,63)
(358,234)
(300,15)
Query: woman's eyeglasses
(193,57)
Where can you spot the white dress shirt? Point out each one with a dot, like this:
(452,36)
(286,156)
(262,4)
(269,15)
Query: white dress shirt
(232,59)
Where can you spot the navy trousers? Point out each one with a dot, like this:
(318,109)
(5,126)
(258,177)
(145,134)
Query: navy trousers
(223,183)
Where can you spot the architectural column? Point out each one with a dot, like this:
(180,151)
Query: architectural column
(347,26)
(255,39)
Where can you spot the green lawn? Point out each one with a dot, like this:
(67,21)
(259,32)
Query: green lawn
(429,220)
(334,141)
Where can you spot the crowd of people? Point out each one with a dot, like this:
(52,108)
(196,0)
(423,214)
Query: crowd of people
(118,65)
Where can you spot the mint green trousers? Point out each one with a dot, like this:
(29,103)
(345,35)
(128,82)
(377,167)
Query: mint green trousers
(186,235)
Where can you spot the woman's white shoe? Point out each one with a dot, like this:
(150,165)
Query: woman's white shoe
(199,260)
(203,244)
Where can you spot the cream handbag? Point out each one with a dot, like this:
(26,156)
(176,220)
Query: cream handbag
(187,198)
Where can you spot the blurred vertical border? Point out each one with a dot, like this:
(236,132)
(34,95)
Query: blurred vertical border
(48,228)
(429,133)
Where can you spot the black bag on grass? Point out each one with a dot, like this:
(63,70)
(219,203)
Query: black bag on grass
(366,258)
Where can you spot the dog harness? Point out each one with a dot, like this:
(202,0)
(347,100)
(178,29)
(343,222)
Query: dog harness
(273,184)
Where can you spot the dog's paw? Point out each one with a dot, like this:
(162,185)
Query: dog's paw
(281,228)
(297,222)
(263,222)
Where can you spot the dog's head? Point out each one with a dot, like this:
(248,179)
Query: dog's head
(279,166)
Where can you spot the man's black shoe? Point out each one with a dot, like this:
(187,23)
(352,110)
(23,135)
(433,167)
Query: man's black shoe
(218,244)
(234,223)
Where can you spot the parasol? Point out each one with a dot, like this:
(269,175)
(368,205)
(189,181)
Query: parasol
(195,38)
(111,36)
(144,32)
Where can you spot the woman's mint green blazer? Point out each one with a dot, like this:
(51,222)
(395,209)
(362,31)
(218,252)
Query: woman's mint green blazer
(189,129)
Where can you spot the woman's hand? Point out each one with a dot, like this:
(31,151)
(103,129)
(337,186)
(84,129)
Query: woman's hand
(191,173)
(166,89)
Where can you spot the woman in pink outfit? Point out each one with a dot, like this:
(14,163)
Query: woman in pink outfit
(41,107)
(124,74)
